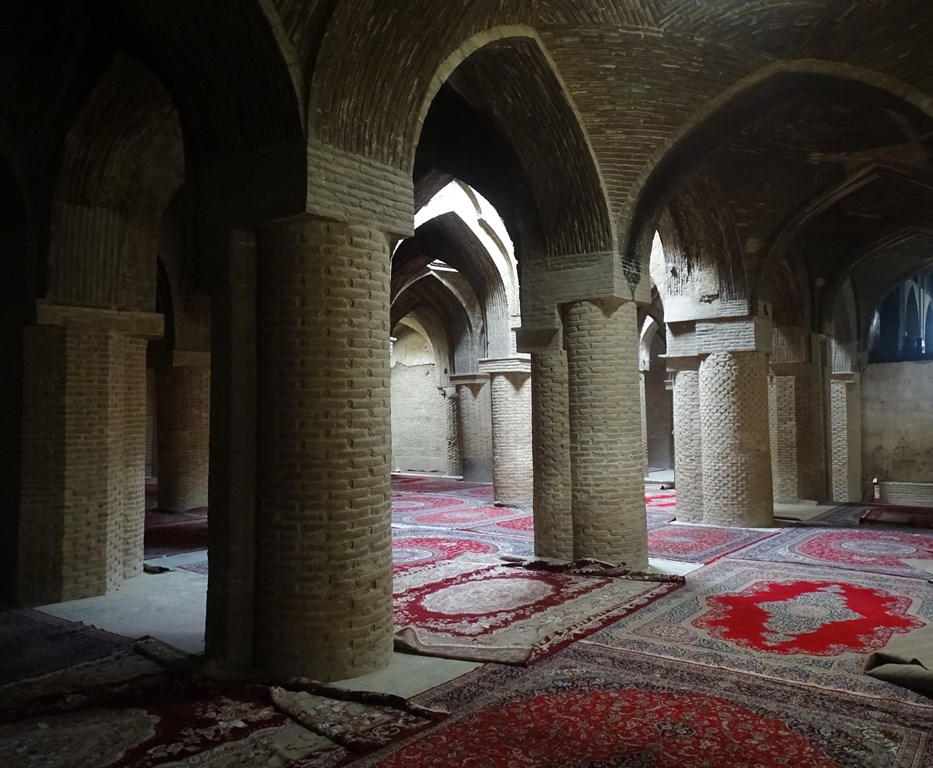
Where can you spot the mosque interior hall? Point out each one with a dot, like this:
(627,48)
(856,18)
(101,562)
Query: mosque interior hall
(490,383)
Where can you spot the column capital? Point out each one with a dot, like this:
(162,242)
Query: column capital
(142,325)
(738,334)
(505,365)
(470,379)
(530,340)
(682,362)
(846,377)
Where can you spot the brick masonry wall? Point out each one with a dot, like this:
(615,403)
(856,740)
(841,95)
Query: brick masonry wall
(783,417)
(658,420)
(324,565)
(184,401)
(513,472)
(151,410)
(846,445)
(737,486)
(688,446)
(233,444)
(606,450)
(551,456)
(476,429)
(419,419)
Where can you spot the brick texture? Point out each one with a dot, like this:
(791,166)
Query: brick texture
(737,487)
(688,446)
(551,439)
(475,412)
(513,472)
(184,397)
(324,556)
(606,452)
(846,446)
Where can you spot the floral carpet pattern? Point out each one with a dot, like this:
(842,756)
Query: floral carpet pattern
(591,706)
(699,543)
(874,551)
(484,611)
(805,624)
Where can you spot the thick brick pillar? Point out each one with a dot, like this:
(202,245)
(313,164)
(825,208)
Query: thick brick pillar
(846,448)
(643,404)
(83,471)
(454,449)
(783,417)
(606,451)
(475,411)
(688,438)
(510,396)
(232,480)
(324,550)
(737,487)
(184,418)
(550,424)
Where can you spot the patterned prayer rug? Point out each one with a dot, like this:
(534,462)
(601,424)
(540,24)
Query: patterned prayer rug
(34,643)
(150,719)
(658,518)
(589,707)
(875,551)
(501,544)
(492,612)
(699,543)
(514,526)
(849,515)
(456,515)
(418,551)
(807,624)
(419,484)
(666,500)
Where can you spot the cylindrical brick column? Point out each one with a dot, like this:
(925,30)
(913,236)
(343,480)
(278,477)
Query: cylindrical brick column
(452,413)
(550,420)
(606,450)
(324,560)
(475,412)
(643,403)
(846,412)
(783,417)
(811,433)
(688,441)
(737,486)
(510,400)
(134,455)
(184,403)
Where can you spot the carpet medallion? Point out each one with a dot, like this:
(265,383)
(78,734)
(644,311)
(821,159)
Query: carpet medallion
(600,708)
(458,517)
(500,543)
(477,609)
(699,543)
(875,551)
(416,551)
(806,624)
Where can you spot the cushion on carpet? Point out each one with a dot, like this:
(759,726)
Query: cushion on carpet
(907,660)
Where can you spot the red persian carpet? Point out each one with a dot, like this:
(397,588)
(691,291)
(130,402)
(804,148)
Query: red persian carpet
(665,500)
(590,706)
(427,484)
(699,543)
(523,525)
(806,624)
(876,551)
(483,611)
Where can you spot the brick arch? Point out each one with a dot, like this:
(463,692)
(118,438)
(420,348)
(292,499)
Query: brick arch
(450,239)
(443,313)
(507,69)
(233,76)
(736,107)
(843,329)
(123,160)
(791,298)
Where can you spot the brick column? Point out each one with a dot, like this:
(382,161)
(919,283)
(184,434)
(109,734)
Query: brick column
(550,430)
(736,448)
(510,400)
(846,448)
(643,404)
(184,401)
(324,553)
(688,438)
(83,470)
(454,450)
(606,453)
(232,480)
(475,411)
